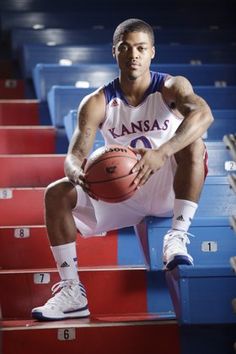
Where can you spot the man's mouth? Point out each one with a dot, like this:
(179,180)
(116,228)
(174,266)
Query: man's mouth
(133,65)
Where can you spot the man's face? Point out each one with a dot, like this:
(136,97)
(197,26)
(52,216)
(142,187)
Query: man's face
(134,53)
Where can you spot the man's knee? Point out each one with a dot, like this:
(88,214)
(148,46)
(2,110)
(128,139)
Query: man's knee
(59,192)
(193,153)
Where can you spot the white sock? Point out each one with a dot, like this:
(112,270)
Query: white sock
(66,260)
(184,211)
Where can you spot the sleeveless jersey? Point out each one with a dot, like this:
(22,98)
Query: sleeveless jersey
(149,125)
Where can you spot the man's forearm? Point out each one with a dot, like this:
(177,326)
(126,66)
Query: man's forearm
(191,129)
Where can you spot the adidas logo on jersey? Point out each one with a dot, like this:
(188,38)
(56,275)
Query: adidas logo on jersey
(114,103)
(64,265)
(180,218)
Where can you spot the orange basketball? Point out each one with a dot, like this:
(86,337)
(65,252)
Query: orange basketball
(108,173)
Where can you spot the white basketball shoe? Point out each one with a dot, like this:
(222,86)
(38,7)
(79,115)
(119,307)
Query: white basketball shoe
(175,250)
(70,302)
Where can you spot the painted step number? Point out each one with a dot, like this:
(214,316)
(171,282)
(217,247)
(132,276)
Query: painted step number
(6,193)
(22,233)
(209,246)
(66,334)
(41,278)
(230,165)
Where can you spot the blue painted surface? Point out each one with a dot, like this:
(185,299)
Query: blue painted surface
(218,97)
(158,297)
(47,75)
(62,142)
(61,99)
(204,294)
(129,251)
(32,54)
(213,241)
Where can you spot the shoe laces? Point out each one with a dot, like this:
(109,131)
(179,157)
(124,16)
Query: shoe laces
(66,294)
(63,284)
(176,237)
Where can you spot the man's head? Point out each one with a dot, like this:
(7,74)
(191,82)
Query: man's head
(133,48)
(132,25)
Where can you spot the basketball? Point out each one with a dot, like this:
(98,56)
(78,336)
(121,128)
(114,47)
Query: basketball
(108,173)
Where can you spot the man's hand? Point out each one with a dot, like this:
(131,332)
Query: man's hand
(150,161)
(77,176)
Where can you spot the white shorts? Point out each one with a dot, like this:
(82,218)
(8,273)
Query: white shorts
(156,198)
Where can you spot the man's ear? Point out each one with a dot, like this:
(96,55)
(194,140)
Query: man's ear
(113,51)
(153,52)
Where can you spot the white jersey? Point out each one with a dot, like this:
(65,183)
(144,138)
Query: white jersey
(149,125)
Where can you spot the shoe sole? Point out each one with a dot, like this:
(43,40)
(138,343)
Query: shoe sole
(77,314)
(178,260)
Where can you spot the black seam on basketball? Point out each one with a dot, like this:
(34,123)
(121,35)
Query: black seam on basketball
(117,197)
(112,179)
(107,158)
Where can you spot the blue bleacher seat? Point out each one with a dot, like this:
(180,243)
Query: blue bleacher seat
(61,99)
(197,54)
(214,239)
(203,294)
(59,36)
(32,54)
(217,156)
(47,75)
(218,97)
(21,36)
(194,35)
(224,123)
(205,74)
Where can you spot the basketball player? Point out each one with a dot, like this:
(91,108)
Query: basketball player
(163,120)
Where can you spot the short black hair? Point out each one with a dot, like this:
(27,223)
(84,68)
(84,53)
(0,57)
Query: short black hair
(132,25)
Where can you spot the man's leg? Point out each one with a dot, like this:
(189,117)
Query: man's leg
(188,183)
(71,301)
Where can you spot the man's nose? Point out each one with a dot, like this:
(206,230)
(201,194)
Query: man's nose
(133,53)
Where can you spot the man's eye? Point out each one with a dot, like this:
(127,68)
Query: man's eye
(123,48)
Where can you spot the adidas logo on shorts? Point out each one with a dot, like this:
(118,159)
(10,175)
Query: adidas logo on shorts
(64,265)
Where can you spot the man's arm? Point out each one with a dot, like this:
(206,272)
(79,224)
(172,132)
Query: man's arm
(197,117)
(91,113)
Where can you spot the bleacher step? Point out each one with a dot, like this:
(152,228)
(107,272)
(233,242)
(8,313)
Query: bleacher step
(203,295)
(12,89)
(27,140)
(140,334)
(19,112)
(21,206)
(110,290)
(36,170)
(33,251)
